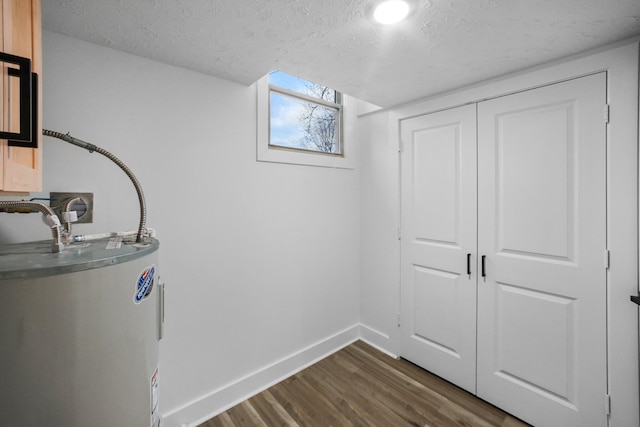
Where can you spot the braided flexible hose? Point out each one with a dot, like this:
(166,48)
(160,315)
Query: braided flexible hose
(58,246)
(65,209)
(91,148)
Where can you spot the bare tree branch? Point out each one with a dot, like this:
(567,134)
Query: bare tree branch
(320,121)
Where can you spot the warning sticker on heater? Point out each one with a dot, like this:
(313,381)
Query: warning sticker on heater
(114,243)
(154,397)
(144,286)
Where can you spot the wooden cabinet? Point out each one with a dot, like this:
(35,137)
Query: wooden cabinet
(20,168)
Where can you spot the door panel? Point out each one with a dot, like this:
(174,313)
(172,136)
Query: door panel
(438,301)
(524,354)
(524,151)
(436,181)
(542,227)
(435,292)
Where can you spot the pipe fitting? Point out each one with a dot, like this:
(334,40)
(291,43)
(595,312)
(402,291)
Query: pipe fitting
(65,211)
(52,219)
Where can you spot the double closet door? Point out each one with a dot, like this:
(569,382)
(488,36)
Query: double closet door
(503,272)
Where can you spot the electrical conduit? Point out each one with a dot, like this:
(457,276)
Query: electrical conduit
(91,148)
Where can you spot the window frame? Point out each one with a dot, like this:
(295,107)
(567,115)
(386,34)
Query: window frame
(313,100)
(266,152)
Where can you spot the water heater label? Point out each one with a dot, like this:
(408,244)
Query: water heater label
(154,397)
(144,286)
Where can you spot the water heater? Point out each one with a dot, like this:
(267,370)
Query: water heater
(79,334)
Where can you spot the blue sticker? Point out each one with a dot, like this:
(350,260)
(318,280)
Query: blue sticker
(144,285)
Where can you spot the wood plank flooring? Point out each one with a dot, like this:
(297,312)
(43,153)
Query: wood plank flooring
(361,386)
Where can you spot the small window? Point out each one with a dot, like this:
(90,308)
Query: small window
(304,115)
(301,122)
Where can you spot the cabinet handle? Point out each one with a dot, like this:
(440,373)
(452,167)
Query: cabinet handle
(33,142)
(483,263)
(23,73)
(469,265)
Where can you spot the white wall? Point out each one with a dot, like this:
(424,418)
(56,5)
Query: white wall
(380,256)
(260,260)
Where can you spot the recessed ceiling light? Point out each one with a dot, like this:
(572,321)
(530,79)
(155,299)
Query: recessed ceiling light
(391,11)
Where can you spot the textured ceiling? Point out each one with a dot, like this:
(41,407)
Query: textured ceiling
(443,45)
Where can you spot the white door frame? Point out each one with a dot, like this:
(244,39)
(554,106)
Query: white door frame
(621,65)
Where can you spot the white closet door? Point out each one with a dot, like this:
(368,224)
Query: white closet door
(438,297)
(542,229)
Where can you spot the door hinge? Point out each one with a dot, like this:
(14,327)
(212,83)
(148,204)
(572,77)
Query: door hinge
(607,259)
(399,146)
(398,320)
(399,233)
(606,113)
(607,404)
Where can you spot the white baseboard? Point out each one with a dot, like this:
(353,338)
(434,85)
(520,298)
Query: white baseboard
(208,406)
(378,340)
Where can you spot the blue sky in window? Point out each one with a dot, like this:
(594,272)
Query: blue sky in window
(297,84)
(288,81)
(286,129)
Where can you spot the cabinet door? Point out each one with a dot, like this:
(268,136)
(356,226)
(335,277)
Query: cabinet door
(542,227)
(21,34)
(438,296)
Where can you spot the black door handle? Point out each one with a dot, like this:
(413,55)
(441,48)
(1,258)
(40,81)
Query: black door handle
(469,264)
(635,299)
(483,264)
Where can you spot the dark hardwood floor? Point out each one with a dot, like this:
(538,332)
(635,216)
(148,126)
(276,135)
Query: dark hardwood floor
(360,386)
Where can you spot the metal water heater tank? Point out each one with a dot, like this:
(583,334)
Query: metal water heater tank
(79,334)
